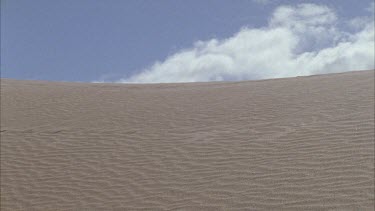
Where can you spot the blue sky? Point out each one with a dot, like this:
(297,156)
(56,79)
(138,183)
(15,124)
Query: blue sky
(179,40)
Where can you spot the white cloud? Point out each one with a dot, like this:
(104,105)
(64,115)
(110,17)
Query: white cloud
(299,40)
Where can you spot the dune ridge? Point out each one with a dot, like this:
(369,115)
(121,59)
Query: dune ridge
(304,143)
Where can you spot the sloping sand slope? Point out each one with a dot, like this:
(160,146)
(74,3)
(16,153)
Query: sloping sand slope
(303,143)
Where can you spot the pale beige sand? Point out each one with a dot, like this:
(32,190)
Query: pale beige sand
(303,143)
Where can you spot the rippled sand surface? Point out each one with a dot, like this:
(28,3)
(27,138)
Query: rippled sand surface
(304,143)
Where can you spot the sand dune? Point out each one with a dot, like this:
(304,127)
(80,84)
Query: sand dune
(304,143)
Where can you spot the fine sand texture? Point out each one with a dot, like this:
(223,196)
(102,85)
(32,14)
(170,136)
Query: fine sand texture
(304,143)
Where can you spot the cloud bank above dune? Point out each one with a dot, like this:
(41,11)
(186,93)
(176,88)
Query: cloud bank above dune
(299,40)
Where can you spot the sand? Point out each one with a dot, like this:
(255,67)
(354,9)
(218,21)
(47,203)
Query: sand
(304,143)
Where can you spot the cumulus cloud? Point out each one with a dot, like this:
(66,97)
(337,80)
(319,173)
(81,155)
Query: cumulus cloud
(299,40)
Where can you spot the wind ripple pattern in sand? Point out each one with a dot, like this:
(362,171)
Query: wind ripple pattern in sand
(289,144)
